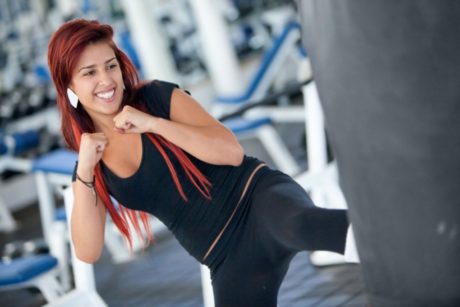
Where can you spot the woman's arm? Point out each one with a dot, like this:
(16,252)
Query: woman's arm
(190,127)
(87,221)
(197,132)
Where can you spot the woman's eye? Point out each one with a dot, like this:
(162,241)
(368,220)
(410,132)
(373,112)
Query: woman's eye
(112,66)
(89,73)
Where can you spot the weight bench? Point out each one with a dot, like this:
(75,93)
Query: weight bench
(32,271)
(263,129)
(53,171)
(12,145)
(84,275)
(260,124)
(84,294)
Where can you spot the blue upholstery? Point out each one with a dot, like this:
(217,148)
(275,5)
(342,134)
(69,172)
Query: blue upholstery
(25,140)
(239,125)
(61,161)
(266,62)
(23,269)
(60,214)
(42,73)
(3,148)
(22,142)
(128,47)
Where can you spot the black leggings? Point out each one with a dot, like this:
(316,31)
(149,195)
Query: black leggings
(281,221)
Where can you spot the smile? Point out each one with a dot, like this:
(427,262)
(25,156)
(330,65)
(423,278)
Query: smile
(106,95)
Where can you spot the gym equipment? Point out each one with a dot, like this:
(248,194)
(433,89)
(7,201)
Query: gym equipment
(17,249)
(32,271)
(388,80)
(260,122)
(263,127)
(284,47)
(55,169)
(85,293)
(12,145)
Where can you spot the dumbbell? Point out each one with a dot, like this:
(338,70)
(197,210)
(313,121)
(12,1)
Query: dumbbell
(17,249)
(6,110)
(12,250)
(34,247)
(36,99)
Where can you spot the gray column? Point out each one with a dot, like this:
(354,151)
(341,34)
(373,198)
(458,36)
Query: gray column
(151,45)
(220,56)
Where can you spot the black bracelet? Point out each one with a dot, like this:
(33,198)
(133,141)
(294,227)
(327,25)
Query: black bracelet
(90,184)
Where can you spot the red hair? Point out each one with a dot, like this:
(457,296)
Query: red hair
(64,50)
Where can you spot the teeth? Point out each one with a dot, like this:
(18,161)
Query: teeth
(106,95)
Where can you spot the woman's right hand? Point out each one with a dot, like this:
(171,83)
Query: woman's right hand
(92,147)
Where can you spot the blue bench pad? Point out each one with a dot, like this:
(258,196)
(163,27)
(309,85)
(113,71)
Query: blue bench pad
(23,269)
(238,125)
(60,161)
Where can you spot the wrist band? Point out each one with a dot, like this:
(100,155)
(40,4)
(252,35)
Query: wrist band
(90,184)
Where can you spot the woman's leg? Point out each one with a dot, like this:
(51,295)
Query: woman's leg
(252,283)
(281,221)
(285,210)
(253,269)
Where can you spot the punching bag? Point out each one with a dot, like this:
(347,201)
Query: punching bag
(388,76)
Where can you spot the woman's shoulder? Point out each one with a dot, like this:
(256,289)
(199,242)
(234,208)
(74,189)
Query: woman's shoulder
(156,94)
(156,87)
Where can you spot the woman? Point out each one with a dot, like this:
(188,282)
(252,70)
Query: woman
(157,151)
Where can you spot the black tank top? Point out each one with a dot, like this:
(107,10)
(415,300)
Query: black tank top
(195,223)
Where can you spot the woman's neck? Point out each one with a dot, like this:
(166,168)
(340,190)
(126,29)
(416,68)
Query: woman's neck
(104,123)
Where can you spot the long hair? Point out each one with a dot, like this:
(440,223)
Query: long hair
(64,50)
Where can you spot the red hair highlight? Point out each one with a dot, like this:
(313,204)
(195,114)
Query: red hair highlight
(64,50)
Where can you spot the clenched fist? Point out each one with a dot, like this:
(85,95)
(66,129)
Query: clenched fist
(131,120)
(92,147)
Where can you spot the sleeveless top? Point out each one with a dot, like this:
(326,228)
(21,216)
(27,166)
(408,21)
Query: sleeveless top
(197,223)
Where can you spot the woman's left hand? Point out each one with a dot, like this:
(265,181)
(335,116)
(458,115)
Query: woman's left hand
(131,120)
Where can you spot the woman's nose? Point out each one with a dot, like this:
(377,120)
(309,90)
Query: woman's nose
(105,78)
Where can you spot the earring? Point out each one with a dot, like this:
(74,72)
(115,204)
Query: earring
(73,98)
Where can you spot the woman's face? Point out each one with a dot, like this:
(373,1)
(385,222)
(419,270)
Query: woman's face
(97,80)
